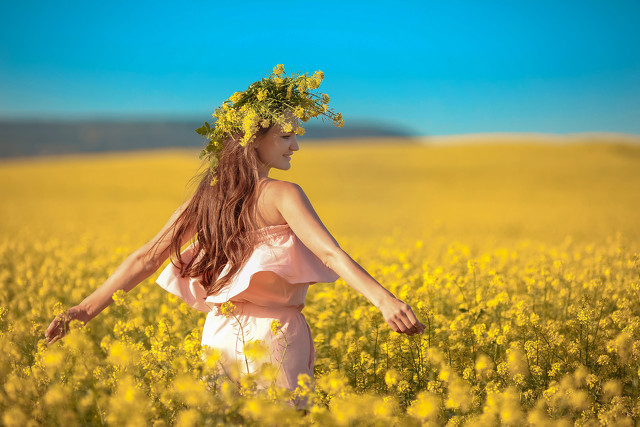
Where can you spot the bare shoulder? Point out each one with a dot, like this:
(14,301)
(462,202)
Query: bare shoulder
(272,194)
(295,209)
(276,192)
(284,189)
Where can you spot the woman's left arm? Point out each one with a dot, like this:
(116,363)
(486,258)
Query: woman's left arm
(296,209)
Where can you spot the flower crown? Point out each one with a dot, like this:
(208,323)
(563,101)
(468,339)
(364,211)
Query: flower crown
(265,103)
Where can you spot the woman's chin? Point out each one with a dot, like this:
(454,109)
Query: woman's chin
(284,166)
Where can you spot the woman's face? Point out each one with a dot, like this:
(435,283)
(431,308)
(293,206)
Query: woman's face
(275,148)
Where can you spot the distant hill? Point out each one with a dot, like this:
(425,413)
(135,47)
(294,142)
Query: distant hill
(536,138)
(35,138)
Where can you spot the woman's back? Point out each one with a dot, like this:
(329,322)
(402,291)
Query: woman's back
(267,296)
(266,210)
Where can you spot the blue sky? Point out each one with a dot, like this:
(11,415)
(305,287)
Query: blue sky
(432,68)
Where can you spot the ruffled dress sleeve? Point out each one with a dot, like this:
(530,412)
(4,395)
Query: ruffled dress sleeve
(280,251)
(189,289)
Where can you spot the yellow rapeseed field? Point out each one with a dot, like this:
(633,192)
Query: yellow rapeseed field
(522,260)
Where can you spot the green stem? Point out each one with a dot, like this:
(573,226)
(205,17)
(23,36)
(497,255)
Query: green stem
(246,362)
(286,344)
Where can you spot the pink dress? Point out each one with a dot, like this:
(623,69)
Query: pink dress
(272,285)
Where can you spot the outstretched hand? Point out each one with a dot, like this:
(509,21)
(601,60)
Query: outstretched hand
(59,326)
(400,317)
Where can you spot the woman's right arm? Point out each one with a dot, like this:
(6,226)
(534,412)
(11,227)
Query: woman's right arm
(139,265)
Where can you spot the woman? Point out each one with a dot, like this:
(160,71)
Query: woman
(260,244)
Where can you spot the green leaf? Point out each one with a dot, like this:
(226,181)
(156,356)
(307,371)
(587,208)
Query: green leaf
(202,130)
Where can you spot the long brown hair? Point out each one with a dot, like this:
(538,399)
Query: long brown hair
(223,215)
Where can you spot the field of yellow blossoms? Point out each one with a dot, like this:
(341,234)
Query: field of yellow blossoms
(522,259)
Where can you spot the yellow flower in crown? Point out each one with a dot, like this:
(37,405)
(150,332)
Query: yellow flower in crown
(264,103)
(298,112)
(287,127)
(236,97)
(278,69)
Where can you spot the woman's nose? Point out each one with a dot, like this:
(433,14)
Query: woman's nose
(294,144)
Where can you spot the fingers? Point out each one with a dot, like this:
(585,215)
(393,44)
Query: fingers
(406,322)
(51,335)
(401,328)
(52,327)
(54,336)
(49,332)
(409,320)
(55,331)
(51,341)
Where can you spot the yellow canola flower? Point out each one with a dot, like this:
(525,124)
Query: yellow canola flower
(275,326)
(312,83)
(386,407)
(298,112)
(63,270)
(287,127)
(227,308)
(391,378)
(278,69)
(211,356)
(250,126)
(351,408)
(128,405)
(483,364)
(189,390)
(188,418)
(53,359)
(236,97)
(302,84)
(230,116)
(510,413)
(426,407)
(517,362)
(268,372)
(256,350)
(334,383)
(56,395)
(459,396)
(119,354)
(119,297)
